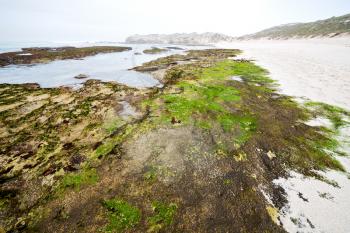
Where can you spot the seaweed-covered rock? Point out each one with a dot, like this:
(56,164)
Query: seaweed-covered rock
(47,54)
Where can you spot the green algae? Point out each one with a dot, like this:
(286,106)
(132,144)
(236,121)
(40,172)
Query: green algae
(335,114)
(113,125)
(203,101)
(86,176)
(227,182)
(163,216)
(246,70)
(154,50)
(122,215)
(109,143)
(251,73)
(3,203)
(206,99)
(151,174)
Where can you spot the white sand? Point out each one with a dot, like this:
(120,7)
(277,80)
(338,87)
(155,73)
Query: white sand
(318,69)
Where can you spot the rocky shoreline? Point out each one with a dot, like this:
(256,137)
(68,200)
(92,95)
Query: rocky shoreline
(44,55)
(198,154)
(154,50)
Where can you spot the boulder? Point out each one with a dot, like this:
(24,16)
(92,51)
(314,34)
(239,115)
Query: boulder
(81,76)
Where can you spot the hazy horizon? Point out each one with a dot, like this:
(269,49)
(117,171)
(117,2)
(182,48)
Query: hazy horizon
(109,20)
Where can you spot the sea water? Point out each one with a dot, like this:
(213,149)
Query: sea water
(105,67)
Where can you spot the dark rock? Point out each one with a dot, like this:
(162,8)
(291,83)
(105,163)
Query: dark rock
(50,170)
(174,121)
(81,76)
(97,144)
(174,48)
(31,85)
(77,159)
(301,196)
(68,146)
(66,120)
(70,168)
(147,69)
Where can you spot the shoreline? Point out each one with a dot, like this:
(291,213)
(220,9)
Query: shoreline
(207,129)
(37,55)
(317,69)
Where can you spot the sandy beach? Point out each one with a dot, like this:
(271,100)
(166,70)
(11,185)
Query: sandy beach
(318,69)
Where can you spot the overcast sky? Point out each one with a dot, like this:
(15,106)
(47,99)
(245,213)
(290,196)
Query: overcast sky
(114,20)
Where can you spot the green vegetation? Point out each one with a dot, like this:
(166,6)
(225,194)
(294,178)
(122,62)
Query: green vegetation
(328,27)
(246,70)
(3,203)
(121,215)
(76,180)
(151,174)
(105,148)
(227,182)
(201,119)
(85,107)
(154,50)
(110,143)
(335,114)
(208,98)
(204,101)
(163,216)
(111,126)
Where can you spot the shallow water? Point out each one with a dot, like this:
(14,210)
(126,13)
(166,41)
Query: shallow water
(105,67)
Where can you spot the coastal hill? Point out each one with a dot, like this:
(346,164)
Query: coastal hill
(179,38)
(332,27)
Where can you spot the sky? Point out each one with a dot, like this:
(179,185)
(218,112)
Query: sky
(114,20)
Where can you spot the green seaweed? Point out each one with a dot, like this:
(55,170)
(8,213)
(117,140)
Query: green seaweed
(154,50)
(111,126)
(76,180)
(151,174)
(335,114)
(163,216)
(111,142)
(122,215)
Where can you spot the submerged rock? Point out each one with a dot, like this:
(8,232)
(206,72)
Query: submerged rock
(154,50)
(175,48)
(31,85)
(81,76)
(47,54)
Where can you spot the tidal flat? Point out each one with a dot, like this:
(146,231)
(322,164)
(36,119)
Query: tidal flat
(200,153)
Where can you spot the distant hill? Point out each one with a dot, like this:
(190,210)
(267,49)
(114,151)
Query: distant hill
(332,27)
(179,38)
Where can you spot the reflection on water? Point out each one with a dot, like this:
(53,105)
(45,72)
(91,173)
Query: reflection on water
(106,67)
